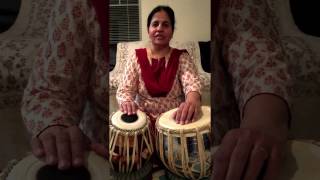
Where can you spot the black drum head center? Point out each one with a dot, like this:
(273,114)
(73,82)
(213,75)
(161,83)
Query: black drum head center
(129,118)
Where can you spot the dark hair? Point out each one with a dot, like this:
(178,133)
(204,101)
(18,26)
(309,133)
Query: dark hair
(167,9)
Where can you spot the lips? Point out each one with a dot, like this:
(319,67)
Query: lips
(159,37)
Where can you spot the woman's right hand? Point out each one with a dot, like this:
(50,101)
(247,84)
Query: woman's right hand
(128,107)
(62,146)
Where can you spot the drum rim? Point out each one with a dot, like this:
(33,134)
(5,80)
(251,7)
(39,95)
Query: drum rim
(131,131)
(179,131)
(139,131)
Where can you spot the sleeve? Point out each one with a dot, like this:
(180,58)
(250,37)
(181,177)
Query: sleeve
(188,74)
(252,50)
(128,87)
(57,87)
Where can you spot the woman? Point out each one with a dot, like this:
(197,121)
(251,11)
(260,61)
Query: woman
(159,77)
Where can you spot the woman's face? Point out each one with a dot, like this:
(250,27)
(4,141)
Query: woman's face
(160,30)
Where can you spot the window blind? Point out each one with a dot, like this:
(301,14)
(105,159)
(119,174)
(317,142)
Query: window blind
(124,21)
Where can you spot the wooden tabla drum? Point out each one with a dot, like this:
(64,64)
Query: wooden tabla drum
(130,141)
(185,149)
(31,168)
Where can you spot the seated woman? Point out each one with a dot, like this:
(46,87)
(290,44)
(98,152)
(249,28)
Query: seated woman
(159,78)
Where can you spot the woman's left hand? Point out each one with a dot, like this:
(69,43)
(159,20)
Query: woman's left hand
(188,110)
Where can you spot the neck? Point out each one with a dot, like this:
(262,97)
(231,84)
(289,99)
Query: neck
(160,50)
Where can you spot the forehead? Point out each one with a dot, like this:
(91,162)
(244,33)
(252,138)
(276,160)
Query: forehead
(160,16)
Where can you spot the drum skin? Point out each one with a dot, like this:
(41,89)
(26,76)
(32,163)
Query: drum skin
(185,149)
(28,167)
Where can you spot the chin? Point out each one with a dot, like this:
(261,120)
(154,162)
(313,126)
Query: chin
(161,43)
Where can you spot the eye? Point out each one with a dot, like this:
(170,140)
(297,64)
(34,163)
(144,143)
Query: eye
(155,24)
(166,24)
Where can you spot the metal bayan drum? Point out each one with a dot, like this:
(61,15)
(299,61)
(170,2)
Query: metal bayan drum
(130,141)
(185,149)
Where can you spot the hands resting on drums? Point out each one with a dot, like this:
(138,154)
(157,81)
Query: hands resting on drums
(64,146)
(186,113)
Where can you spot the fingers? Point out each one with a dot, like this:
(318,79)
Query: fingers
(178,113)
(60,145)
(128,108)
(63,150)
(49,145)
(257,160)
(174,115)
(121,107)
(274,164)
(185,113)
(77,146)
(195,114)
(37,148)
(124,108)
(222,156)
(190,114)
(239,157)
(134,107)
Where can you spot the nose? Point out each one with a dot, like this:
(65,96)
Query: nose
(160,27)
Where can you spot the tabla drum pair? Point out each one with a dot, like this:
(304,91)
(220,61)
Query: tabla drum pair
(130,141)
(185,149)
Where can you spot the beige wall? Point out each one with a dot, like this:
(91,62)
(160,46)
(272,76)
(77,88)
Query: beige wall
(193,18)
